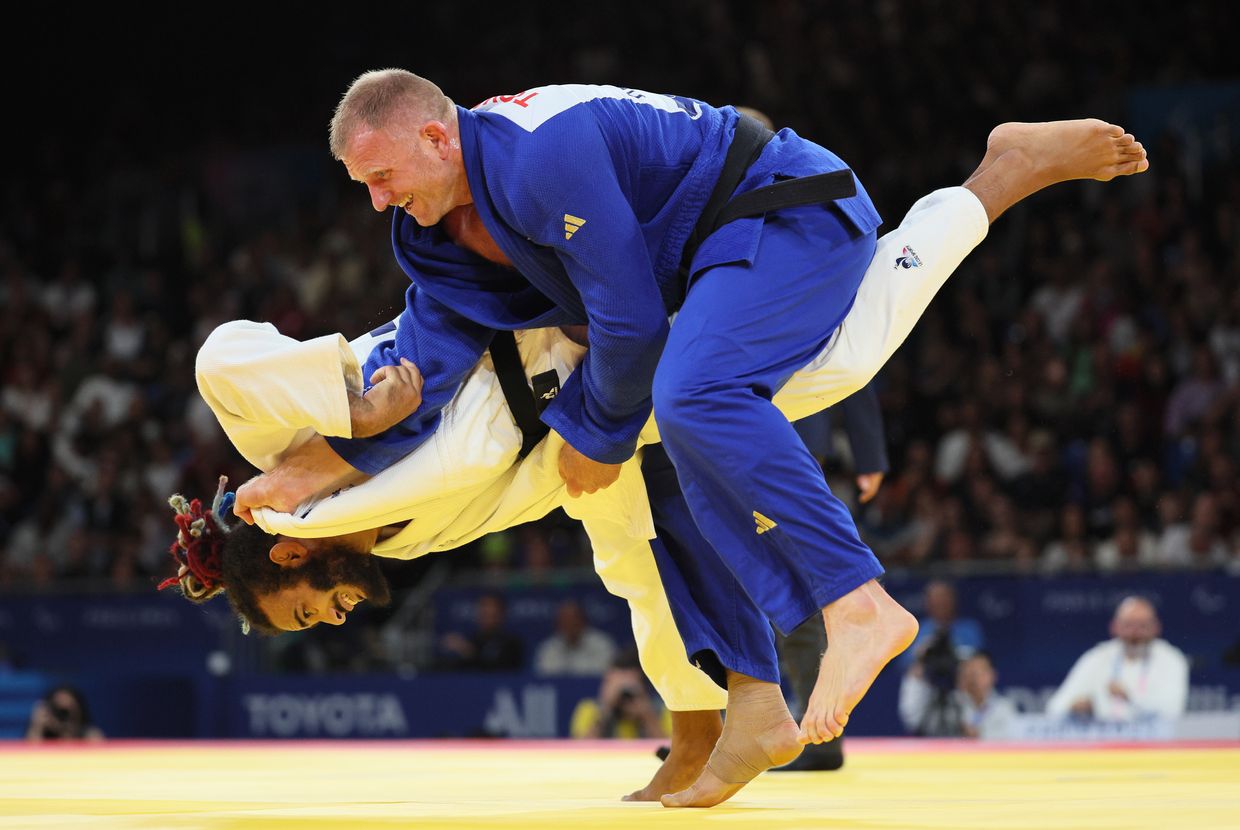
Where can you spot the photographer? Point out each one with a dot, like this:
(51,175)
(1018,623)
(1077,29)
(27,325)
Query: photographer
(624,708)
(928,706)
(62,715)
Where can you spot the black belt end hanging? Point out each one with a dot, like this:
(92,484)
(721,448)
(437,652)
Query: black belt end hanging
(521,401)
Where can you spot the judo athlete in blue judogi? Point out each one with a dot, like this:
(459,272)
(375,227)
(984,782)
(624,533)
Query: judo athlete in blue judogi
(617,208)
(597,196)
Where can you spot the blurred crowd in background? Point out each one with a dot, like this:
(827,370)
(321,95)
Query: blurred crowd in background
(1070,402)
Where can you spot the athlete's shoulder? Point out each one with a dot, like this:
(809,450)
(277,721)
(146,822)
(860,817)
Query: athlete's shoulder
(536,107)
(531,109)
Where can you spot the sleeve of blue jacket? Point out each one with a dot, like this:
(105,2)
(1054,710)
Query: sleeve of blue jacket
(603,405)
(863,421)
(444,346)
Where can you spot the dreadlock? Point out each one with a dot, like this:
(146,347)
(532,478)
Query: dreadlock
(214,558)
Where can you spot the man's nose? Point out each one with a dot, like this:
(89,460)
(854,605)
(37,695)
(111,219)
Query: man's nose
(380,197)
(334,617)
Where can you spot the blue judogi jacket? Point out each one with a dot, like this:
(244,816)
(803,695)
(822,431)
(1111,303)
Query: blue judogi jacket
(592,193)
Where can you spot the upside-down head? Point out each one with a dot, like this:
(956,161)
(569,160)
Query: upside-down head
(274,583)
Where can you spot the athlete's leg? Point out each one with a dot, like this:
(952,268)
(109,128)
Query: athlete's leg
(1020,160)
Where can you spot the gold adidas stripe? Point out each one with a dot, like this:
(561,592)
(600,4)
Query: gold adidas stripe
(572,224)
(764,524)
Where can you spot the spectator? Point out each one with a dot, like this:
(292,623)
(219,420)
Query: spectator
(1196,544)
(575,648)
(1131,546)
(985,713)
(624,707)
(62,715)
(490,647)
(1070,550)
(1133,675)
(972,709)
(973,435)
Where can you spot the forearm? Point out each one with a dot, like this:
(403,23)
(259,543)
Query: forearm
(312,470)
(315,463)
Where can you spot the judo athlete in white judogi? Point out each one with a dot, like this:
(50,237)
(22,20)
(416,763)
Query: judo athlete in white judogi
(273,394)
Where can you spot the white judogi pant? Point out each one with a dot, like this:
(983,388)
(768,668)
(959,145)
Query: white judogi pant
(271,393)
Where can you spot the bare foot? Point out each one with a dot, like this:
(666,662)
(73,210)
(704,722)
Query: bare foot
(865,629)
(694,735)
(1021,159)
(758,733)
(1066,150)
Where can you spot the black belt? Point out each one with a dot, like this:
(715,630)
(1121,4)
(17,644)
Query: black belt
(747,144)
(526,404)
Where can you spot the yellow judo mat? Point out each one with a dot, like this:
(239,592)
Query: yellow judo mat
(498,785)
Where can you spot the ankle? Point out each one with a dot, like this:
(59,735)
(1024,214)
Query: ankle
(858,607)
(745,683)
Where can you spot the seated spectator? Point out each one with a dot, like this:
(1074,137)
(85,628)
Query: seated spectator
(968,706)
(1198,544)
(490,647)
(984,713)
(1131,546)
(62,715)
(1131,676)
(624,707)
(954,448)
(575,648)
(1070,550)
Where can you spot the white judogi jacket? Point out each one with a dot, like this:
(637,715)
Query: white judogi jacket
(271,393)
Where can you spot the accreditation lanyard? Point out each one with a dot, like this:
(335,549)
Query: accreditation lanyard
(1142,680)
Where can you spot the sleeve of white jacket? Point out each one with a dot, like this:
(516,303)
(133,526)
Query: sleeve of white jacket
(270,393)
(1082,681)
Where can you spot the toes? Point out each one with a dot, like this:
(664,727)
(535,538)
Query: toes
(812,729)
(838,723)
(1126,138)
(1113,130)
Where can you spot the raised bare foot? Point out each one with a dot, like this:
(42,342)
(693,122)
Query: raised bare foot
(1064,150)
(694,735)
(758,733)
(865,629)
(1021,159)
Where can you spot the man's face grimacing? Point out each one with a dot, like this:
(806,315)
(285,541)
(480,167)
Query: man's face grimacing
(337,574)
(415,169)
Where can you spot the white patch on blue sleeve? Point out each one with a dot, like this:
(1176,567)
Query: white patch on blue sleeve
(534,107)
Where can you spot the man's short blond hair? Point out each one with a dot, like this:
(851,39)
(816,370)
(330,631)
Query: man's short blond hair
(384,97)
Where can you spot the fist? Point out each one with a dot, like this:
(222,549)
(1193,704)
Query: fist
(585,475)
(396,391)
(867,486)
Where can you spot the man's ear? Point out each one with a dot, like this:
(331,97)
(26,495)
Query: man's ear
(289,553)
(436,132)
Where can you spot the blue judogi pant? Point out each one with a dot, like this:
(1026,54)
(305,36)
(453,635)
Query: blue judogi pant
(743,330)
(720,625)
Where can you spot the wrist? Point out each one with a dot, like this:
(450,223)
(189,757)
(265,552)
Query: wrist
(361,416)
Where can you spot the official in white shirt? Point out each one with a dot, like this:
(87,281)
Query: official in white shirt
(1132,676)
